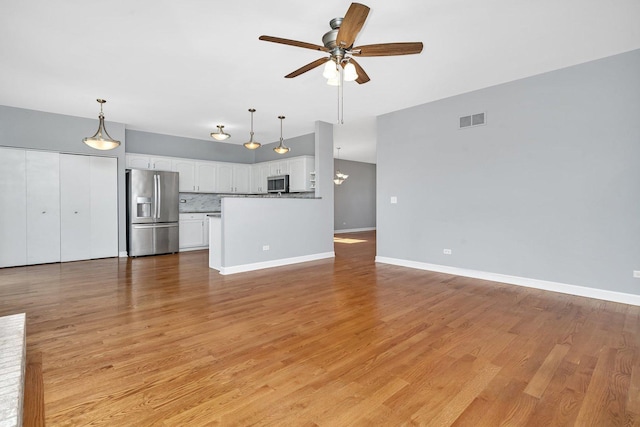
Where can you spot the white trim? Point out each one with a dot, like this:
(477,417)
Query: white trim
(564,288)
(353,230)
(123,254)
(195,248)
(275,263)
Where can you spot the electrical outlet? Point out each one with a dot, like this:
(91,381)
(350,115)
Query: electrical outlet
(265,248)
(394,199)
(636,274)
(446,251)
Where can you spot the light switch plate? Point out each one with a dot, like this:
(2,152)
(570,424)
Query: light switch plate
(394,199)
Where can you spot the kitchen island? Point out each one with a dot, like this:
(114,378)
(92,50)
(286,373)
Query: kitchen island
(253,233)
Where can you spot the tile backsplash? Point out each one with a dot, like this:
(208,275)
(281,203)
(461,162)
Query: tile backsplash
(194,202)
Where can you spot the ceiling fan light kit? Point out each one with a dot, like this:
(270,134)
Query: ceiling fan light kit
(220,135)
(101,140)
(338,43)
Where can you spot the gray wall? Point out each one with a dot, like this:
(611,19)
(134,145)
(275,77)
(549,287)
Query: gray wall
(355,198)
(300,146)
(548,189)
(176,146)
(56,132)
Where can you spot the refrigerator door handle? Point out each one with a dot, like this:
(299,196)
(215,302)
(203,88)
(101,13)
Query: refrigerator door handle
(155,196)
(159,196)
(139,226)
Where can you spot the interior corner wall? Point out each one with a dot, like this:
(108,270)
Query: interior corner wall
(547,189)
(355,198)
(37,130)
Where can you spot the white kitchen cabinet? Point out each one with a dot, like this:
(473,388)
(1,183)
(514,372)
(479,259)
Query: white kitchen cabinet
(300,169)
(187,171)
(242,178)
(259,174)
(206,177)
(143,161)
(88,207)
(13,207)
(224,178)
(193,231)
(278,167)
(43,207)
(233,178)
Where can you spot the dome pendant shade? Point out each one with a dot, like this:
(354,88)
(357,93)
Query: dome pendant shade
(220,135)
(251,144)
(98,140)
(281,149)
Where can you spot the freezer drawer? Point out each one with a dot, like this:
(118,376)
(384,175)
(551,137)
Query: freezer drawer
(153,239)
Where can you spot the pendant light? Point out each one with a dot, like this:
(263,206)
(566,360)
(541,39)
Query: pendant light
(281,149)
(220,135)
(339,177)
(98,141)
(252,145)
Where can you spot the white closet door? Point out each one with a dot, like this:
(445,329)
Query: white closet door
(13,207)
(43,207)
(75,207)
(104,207)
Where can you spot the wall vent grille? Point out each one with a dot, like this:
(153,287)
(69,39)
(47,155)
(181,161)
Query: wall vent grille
(472,120)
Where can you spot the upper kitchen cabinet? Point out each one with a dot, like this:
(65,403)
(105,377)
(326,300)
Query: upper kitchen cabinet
(259,174)
(300,169)
(233,178)
(206,177)
(195,176)
(143,161)
(187,174)
(279,167)
(13,203)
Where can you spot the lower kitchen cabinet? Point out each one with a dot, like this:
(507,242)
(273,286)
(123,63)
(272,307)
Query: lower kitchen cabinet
(194,231)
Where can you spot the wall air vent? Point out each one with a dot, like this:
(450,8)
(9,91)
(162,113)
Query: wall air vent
(472,120)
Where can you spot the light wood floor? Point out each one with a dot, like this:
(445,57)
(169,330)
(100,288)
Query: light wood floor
(165,341)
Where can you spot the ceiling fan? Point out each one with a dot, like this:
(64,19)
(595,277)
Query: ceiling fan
(338,43)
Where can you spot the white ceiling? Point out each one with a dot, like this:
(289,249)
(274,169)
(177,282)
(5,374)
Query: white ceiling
(182,67)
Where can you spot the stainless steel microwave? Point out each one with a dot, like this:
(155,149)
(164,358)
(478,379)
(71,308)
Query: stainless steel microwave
(278,184)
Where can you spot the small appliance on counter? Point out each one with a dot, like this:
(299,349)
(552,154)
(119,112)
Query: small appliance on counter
(278,184)
(152,212)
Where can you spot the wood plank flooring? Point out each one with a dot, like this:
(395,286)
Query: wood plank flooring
(166,341)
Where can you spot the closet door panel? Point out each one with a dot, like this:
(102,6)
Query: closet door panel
(43,207)
(75,207)
(13,207)
(104,207)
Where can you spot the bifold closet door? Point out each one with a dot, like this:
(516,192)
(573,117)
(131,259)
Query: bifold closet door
(104,207)
(13,207)
(43,207)
(75,207)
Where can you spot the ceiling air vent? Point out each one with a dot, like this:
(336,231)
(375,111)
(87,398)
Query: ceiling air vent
(472,120)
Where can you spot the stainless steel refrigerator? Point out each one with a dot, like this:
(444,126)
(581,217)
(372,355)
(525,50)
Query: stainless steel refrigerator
(152,212)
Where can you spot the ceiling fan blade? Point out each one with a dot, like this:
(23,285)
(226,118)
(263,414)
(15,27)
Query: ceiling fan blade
(351,25)
(362,76)
(304,69)
(388,49)
(293,43)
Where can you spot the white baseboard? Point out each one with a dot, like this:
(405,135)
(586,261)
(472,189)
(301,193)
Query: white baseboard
(123,254)
(354,230)
(197,248)
(275,263)
(564,288)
